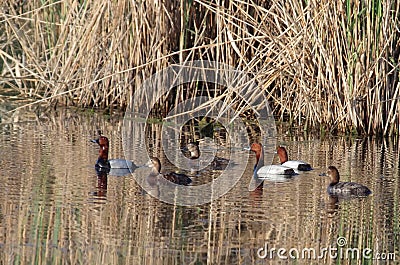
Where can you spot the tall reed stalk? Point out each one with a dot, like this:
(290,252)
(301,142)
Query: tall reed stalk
(323,64)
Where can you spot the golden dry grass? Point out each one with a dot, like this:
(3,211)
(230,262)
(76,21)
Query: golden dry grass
(324,64)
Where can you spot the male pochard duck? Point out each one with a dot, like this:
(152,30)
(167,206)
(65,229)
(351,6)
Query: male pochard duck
(180,179)
(295,164)
(262,171)
(344,188)
(218,163)
(104,162)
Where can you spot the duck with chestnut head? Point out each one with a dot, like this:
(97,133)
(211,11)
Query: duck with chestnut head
(263,171)
(115,166)
(295,164)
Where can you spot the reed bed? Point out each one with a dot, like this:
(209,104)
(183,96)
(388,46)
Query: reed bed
(326,65)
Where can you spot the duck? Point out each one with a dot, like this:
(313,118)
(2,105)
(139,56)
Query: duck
(194,150)
(218,163)
(262,171)
(295,164)
(338,188)
(179,179)
(104,163)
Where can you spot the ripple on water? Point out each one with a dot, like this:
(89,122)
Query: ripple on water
(50,189)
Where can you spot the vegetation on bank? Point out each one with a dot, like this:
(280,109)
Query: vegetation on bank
(322,64)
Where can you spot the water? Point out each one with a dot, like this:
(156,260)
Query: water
(54,210)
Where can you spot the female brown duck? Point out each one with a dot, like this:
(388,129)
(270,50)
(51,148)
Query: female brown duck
(344,188)
(179,179)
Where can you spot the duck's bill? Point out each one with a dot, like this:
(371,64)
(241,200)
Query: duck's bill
(95,141)
(322,174)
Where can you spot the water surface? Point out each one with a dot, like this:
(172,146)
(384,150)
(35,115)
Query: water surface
(55,210)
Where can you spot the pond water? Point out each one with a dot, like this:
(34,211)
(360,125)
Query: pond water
(55,210)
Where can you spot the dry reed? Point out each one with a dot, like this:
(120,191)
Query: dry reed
(327,65)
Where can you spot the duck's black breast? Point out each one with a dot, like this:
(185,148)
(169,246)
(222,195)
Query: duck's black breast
(102,163)
(290,172)
(305,167)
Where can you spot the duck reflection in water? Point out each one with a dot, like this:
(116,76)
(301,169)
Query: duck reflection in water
(256,195)
(332,205)
(152,186)
(102,178)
